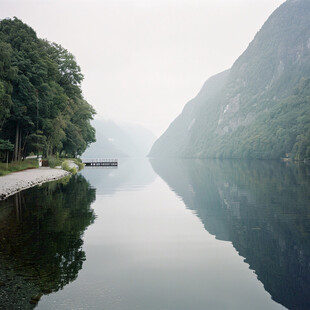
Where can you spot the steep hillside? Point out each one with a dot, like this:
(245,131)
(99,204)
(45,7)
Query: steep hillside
(260,108)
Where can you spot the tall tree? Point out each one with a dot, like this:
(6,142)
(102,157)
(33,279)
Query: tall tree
(41,102)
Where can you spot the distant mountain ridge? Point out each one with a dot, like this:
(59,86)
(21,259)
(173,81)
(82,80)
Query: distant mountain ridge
(260,108)
(113,140)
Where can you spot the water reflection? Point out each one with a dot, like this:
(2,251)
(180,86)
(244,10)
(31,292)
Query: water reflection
(263,208)
(41,233)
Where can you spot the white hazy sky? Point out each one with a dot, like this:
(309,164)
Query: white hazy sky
(144,59)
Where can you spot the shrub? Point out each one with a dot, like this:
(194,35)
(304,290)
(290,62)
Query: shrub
(53,161)
(65,166)
(79,163)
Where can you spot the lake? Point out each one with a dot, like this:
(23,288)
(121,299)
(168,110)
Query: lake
(160,235)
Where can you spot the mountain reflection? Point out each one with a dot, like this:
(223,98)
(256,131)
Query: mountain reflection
(263,208)
(41,233)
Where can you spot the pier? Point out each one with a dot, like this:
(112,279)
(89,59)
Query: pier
(100,162)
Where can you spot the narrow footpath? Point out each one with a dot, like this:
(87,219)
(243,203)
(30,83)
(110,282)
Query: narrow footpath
(17,181)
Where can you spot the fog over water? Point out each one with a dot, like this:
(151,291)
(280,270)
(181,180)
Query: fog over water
(143,60)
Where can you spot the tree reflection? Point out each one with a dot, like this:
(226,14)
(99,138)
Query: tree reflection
(263,208)
(41,233)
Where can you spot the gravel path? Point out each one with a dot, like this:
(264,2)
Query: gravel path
(17,181)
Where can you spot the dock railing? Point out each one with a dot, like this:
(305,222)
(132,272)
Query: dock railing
(100,162)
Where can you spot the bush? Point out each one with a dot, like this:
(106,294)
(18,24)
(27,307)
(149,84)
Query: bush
(73,170)
(65,166)
(79,163)
(53,162)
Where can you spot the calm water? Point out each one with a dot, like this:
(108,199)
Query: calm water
(161,235)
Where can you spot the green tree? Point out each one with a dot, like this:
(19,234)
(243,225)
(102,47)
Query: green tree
(6,147)
(41,102)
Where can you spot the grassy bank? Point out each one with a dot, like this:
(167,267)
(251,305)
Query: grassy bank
(65,164)
(18,166)
(33,163)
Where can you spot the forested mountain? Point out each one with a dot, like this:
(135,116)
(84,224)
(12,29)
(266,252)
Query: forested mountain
(42,108)
(260,108)
(114,140)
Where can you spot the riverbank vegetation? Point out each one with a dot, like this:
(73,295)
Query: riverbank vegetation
(6,168)
(66,166)
(42,109)
(52,162)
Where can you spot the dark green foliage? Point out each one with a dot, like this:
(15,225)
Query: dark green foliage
(41,104)
(53,161)
(6,145)
(258,109)
(5,148)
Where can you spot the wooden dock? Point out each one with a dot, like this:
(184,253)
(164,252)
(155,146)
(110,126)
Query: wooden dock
(99,162)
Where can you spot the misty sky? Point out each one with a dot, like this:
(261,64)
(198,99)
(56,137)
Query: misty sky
(144,59)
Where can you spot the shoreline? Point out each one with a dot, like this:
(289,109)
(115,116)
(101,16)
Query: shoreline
(17,181)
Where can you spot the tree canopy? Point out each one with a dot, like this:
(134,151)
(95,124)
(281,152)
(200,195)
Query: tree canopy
(42,108)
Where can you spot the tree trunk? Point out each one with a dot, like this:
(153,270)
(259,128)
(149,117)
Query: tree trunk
(20,145)
(16,151)
(24,145)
